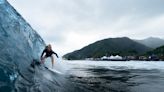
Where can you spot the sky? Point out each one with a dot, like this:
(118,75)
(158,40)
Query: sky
(72,24)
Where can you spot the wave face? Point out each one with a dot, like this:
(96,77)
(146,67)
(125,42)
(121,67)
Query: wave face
(19,45)
(41,79)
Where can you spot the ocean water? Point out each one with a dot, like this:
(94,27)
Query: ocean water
(89,76)
(115,76)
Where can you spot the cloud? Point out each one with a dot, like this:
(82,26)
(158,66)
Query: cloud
(72,24)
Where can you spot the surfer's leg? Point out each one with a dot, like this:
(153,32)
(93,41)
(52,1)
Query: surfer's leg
(52,60)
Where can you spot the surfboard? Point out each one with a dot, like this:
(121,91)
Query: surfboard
(56,71)
(48,65)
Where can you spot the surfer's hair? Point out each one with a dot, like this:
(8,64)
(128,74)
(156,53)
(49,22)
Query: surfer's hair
(49,45)
(46,47)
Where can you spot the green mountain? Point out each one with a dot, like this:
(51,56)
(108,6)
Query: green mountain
(158,51)
(152,42)
(112,46)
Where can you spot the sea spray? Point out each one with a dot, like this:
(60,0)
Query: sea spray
(60,65)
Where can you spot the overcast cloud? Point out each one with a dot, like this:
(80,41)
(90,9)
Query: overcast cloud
(72,24)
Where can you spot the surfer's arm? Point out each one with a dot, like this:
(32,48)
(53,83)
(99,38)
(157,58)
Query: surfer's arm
(56,54)
(42,54)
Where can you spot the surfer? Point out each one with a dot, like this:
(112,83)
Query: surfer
(49,53)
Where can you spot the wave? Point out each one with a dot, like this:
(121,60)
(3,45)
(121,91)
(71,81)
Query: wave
(39,79)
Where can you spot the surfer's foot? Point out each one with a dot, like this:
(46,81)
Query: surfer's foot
(46,67)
